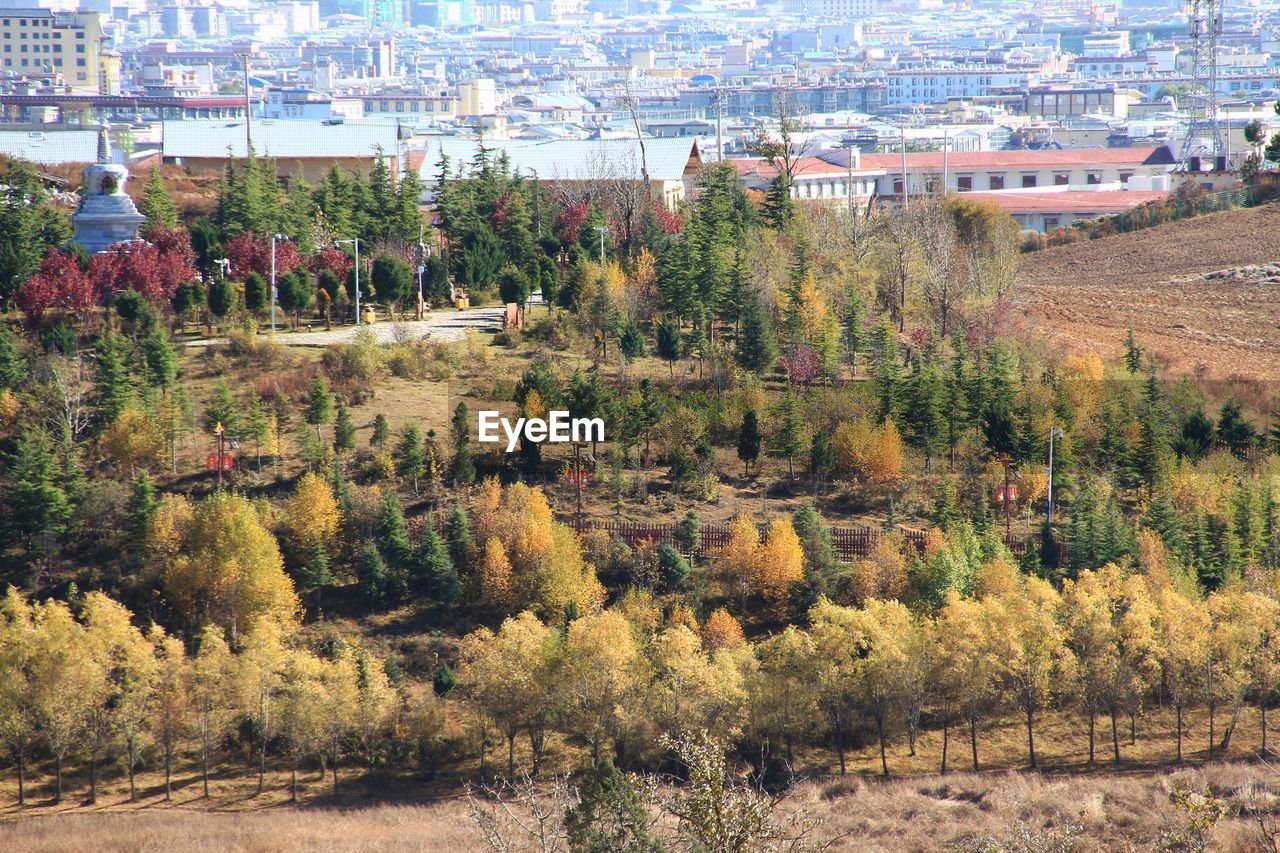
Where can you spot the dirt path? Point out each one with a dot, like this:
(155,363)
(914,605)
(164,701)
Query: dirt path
(442,325)
(1089,294)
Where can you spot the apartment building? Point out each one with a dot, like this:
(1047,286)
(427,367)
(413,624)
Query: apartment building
(68,47)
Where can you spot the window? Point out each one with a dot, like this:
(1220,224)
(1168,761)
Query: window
(1093,178)
(997,182)
(964,183)
(79,48)
(80,63)
(1061,179)
(897,186)
(1050,222)
(1028,182)
(1125,176)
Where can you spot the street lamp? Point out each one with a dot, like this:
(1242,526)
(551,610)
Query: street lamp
(218,430)
(423,253)
(274,292)
(356,241)
(602,229)
(224,264)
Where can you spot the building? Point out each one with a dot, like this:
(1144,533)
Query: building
(1058,170)
(843,10)
(1047,211)
(1056,103)
(478,97)
(309,147)
(308,104)
(813,179)
(69,48)
(50,148)
(672,164)
(410,104)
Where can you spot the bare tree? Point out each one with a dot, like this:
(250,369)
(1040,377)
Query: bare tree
(942,290)
(782,151)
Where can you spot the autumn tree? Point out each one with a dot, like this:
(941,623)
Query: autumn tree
(605,671)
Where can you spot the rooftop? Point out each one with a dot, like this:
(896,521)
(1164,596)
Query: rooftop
(276,138)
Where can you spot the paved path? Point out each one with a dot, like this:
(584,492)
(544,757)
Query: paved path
(442,325)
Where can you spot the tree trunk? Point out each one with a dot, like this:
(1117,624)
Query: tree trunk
(93,778)
(1091,737)
(1115,736)
(133,783)
(511,754)
(204,764)
(262,765)
(840,748)
(293,781)
(1262,706)
(57,789)
(1178,712)
(335,769)
(1133,728)
(168,774)
(22,779)
(973,740)
(946,728)
(884,761)
(1031,741)
(1211,710)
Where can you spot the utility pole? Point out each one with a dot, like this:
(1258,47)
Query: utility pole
(1048,501)
(946,151)
(906,196)
(356,241)
(719,125)
(274,293)
(248,107)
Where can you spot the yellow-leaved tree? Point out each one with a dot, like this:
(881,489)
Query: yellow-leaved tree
(780,563)
(310,517)
(740,558)
(172,714)
(228,569)
(605,673)
(721,631)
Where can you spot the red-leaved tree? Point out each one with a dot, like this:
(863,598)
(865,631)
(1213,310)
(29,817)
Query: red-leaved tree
(329,258)
(250,253)
(154,269)
(60,283)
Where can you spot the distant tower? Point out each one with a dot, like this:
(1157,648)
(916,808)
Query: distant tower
(1204,135)
(107,215)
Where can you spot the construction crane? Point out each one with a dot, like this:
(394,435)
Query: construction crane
(1204,134)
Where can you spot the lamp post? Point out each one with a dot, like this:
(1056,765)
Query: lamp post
(602,229)
(274,292)
(423,253)
(356,242)
(218,430)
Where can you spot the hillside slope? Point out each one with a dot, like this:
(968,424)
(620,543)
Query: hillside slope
(1089,294)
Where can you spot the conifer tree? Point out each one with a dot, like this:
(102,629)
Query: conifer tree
(669,345)
(222,299)
(749,441)
(344,431)
(1132,354)
(887,374)
(156,205)
(755,350)
(371,576)
(381,431)
(255,293)
(410,456)
(223,409)
(462,470)
(319,407)
(855,336)
(457,534)
(390,533)
(36,500)
(927,417)
(159,359)
(13,367)
(142,505)
(790,436)
(111,378)
(778,208)
(688,533)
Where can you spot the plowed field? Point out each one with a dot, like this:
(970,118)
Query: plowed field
(1178,286)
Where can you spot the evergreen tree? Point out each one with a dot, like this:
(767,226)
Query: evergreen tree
(610,813)
(111,378)
(1233,430)
(457,534)
(142,505)
(392,280)
(463,470)
(631,341)
(159,359)
(887,375)
(1196,437)
(13,367)
(1132,354)
(390,533)
(778,209)
(156,205)
(223,409)
(294,293)
(431,573)
(255,293)
(407,224)
(381,431)
(790,438)
(222,299)
(926,416)
(822,460)
(755,346)
(319,406)
(821,567)
(344,431)
(669,345)
(1153,443)
(411,456)
(36,501)
(749,441)
(688,533)
(443,682)
(371,576)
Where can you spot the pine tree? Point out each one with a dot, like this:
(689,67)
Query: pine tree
(688,533)
(748,441)
(319,407)
(926,418)
(390,533)
(344,431)
(790,438)
(255,293)
(13,367)
(1233,430)
(778,209)
(221,298)
(381,431)
(1132,354)
(756,350)
(156,205)
(887,376)
(371,576)
(431,572)
(410,456)
(462,470)
(223,409)
(457,534)
(111,378)
(142,505)
(668,341)
(35,498)
(159,359)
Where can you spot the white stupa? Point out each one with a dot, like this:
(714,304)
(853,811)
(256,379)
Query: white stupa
(107,215)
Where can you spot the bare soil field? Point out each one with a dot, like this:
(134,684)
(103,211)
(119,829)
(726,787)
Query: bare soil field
(1089,294)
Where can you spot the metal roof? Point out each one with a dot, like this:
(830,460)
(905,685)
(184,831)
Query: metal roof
(285,140)
(50,148)
(568,159)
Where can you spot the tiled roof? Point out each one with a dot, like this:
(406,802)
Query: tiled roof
(1046,158)
(285,140)
(805,167)
(1068,201)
